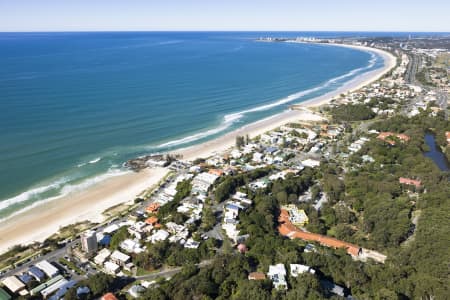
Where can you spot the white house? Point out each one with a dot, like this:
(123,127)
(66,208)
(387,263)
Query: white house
(277,273)
(297,269)
(191,244)
(111,267)
(120,258)
(49,269)
(257,157)
(312,163)
(160,235)
(131,246)
(102,256)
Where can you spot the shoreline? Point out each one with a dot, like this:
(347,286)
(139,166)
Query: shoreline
(227,140)
(88,205)
(36,225)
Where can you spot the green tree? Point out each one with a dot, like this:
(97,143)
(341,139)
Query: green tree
(99,283)
(240,141)
(118,237)
(208,218)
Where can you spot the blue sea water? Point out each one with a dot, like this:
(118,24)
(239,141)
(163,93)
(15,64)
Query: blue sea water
(75,106)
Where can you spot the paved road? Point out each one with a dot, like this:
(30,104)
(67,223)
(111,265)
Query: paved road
(216,232)
(442,100)
(54,256)
(170,272)
(51,256)
(412,68)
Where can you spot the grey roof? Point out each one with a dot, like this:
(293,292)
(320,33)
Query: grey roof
(36,272)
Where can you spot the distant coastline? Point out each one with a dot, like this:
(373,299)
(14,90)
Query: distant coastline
(38,224)
(227,140)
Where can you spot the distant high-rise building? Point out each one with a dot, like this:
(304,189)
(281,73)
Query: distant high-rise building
(89,241)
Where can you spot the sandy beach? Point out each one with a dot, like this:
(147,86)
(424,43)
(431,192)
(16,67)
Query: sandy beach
(226,141)
(44,220)
(39,223)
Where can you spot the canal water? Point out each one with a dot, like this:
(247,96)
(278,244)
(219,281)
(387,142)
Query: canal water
(435,153)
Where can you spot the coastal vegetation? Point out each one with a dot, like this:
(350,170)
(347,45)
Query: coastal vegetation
(351,112)
(228,184)
(356,202)
(367,206)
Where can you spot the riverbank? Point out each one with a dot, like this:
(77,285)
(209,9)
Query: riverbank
(44,220)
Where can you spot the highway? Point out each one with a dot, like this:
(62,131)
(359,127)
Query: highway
(412,68)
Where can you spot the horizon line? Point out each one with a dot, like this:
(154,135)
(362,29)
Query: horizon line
(217,30)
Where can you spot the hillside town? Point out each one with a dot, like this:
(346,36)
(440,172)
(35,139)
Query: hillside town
(292,176)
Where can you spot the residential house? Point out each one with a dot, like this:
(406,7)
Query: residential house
(120,258)
(102,256)
(408,181)
(256,276)
(312,163)
(277,273)
(297,269)
(160,235)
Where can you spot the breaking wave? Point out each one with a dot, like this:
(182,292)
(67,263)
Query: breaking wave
(55,190)
(230,119)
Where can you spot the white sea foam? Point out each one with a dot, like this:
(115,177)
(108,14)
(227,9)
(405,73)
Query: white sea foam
(229,119)
(170,42)
(63,185)
(197,136)
(30,194)
(70,188)
(95,160)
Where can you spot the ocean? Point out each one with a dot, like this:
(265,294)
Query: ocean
(75,106)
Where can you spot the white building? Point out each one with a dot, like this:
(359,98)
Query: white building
(174,227)
(111,229)
(160,235)
(257,157)
(13,284)
(236,154)
(231,231)
(277,273)
(53,288)
(297,269)
(131,246)
(202,182)
(258,185)
(111,267)
(102,256)
(49,269)
(357,145)
(191,244)
(312,163)
(242,198)
(120,258)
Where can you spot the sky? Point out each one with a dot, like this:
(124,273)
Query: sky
(204,15)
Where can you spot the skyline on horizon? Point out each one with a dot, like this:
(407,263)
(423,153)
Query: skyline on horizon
(202,15)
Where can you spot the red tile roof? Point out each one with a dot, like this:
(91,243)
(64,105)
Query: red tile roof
(256,276)
(216,172)
(152,220)
(152,207)
(109,296)
(408,181)
(286,228)
(385,137)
